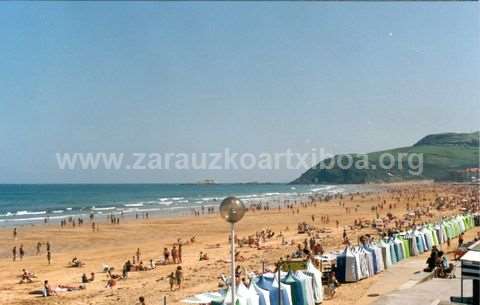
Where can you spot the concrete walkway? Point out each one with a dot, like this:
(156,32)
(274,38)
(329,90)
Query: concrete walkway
(429,292)
(401,276)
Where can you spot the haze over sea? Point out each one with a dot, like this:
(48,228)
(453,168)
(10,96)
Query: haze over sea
(30,203)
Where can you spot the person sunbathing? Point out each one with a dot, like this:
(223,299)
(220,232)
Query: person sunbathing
(26,277)
(113,276)
(85,279)
(111,283)
(141,267)
(152,264)
(47,290)
(76,262)
(69,287)
(203,256)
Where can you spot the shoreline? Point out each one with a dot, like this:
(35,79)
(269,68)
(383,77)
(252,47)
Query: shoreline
(181,205)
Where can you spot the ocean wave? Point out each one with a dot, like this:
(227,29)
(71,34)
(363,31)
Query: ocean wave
(339,190)
(24,219)
(103,209)
(57,211)
(323,188)
(165,202)
(210,198)
(32,219)
(149,210)
(8,214)
(137,210)
(19,213)
(248,196)
(272,194)
(133,204)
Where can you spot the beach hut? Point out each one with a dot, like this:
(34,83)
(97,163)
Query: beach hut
(420,241)
(307,283)
(243,296)
(317,282)
(428,239)
(363,263)
(387,258)
(398,249)
(370,260)
(405,247)
(252,297)
(263,295)
(378,257)
(284,288)
(267,284)
(393,252)
(347,266)
(433,232)
(297,290)
(413,244)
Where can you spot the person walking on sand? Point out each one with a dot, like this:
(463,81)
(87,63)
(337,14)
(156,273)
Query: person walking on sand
(14,253)
(180,253)
(21,252)
(48,246)
(171,281)
(39,246)
(175,254)
(126,269)
(179,277)
(138,254)
(49,257)
(15,233)
(166,255)
(141,301)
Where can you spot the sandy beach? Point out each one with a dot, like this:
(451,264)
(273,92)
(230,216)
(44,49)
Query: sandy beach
(114,244)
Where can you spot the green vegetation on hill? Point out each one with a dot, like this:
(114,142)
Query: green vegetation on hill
(439,157)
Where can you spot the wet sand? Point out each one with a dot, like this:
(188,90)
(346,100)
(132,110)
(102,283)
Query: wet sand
(114,244)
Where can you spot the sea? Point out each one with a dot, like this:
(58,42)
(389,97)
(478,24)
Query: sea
(33,203)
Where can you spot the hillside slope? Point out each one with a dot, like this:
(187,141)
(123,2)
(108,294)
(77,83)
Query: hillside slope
(441,157)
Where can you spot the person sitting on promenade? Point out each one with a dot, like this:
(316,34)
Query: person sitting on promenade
(432,260)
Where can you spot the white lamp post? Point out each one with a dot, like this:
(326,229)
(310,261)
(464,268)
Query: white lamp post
(232,210)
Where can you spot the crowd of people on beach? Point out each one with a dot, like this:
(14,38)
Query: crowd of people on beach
(385,220)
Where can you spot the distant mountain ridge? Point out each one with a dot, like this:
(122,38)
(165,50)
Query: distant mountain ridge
(467,139)
(446,157)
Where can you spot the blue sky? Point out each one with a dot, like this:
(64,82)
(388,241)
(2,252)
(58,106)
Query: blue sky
(253,77)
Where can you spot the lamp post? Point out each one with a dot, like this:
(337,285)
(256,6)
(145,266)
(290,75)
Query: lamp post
(232,210)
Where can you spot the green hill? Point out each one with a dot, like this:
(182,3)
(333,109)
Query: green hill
(439,157)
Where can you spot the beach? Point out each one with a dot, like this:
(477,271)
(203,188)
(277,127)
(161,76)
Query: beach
(114,244)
